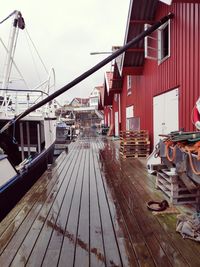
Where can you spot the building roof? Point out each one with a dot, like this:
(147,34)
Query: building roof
(96,88)
(117,77)
(83,101)
(140,12)
(101,97)
(108,80)
(99,88)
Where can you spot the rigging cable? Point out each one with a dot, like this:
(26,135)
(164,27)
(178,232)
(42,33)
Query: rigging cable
(37,52)
(13,62)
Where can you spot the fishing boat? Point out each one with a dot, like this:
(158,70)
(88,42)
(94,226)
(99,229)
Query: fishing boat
(27,145)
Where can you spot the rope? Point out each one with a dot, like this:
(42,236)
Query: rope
(36,51)
(189,149)
(168,144)
(192,165)
(13,62)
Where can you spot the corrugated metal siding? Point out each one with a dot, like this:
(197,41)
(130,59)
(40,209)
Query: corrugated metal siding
(126,101)
(123,101)
(181,70)
(106,112)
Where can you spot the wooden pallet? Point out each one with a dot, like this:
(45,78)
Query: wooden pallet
(134,134)
(134,155)
(134,141)
(171,185)
(135,150)
(134,144)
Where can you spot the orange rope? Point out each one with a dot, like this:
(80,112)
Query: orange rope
(188,149)
(195,149)
(192,165)
(168,144)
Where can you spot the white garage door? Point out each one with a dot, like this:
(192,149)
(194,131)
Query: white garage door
(165,114)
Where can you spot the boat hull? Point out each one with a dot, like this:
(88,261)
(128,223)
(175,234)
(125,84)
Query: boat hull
(16,188)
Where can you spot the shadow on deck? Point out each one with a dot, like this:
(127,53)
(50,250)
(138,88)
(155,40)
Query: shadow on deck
(89,209)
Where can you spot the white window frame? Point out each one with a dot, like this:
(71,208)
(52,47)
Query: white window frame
(168,2)
(129,84)
(129,114)
(148,49)
(159,40)
(162,58)
(116,97)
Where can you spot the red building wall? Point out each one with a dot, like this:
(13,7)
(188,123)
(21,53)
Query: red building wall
(181,70)
(115,108)
(123,100)
(106,116)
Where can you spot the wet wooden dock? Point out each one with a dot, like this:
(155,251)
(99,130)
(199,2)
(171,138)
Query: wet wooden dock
(89,209)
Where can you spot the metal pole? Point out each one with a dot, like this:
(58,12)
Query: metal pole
(91,71)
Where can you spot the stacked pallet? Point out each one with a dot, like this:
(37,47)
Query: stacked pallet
(134,144)
(171,185)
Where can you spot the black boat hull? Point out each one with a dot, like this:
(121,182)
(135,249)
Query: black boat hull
(13,191)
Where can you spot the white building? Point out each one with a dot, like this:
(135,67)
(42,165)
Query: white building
(94,97)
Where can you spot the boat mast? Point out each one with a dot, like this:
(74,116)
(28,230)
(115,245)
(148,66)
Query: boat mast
(18,23)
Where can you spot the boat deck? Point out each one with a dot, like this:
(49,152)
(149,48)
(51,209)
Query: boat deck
(89,209)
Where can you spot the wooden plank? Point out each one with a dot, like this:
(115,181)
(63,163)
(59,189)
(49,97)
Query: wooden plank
(14,220)
(54,246)
(139,245)
(82,248)
(171,249)
(112,253)
(141,214)
(97,248)
(21,206)
(27,198)
(128,255)
(51,220)
(29,230)
(70,239)
(93,213)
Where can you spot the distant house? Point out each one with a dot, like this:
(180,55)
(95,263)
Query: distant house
(79,102)
(94,97)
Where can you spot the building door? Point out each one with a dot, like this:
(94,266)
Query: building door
(165,114)
(117,123)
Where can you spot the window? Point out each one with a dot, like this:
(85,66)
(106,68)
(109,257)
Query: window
(93,101)
(129,114)
(116,97)
(129,84)
(157,44)
(164,42)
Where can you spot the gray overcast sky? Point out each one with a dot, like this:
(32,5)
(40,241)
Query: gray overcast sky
(65,32)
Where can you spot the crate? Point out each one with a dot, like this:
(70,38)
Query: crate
(134,155)
(134,144)
(171,185)
(134,134)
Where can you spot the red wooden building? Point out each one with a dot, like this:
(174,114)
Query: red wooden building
(159,79)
